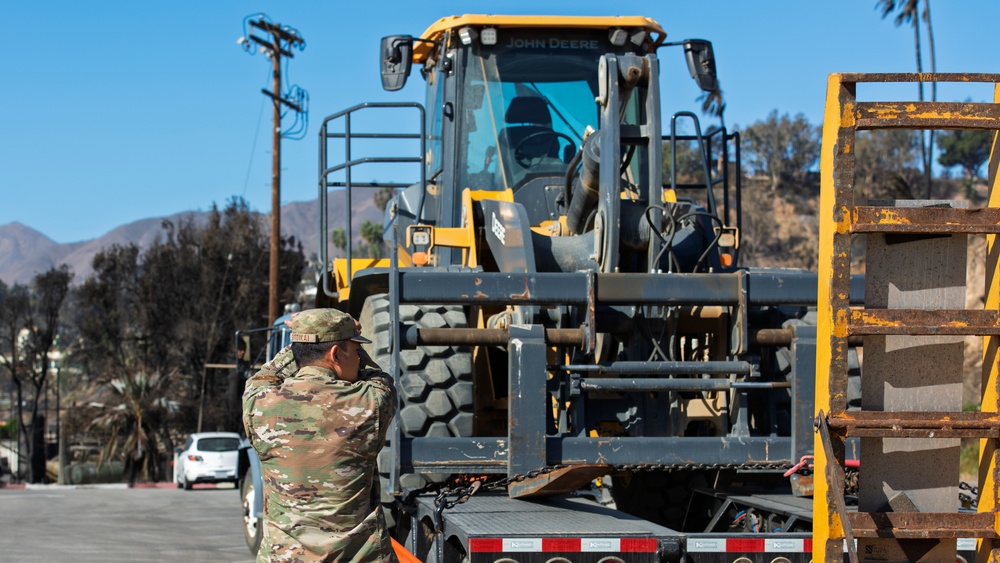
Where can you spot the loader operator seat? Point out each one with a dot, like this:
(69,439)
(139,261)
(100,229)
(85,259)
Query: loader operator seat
(528,132)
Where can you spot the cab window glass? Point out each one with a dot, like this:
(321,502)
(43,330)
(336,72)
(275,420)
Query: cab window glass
(526,105)
(435,125)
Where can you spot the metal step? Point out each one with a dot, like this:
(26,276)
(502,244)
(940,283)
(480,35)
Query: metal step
(922,525)
(903,424)
(925,220)
(925,115)
(951,322)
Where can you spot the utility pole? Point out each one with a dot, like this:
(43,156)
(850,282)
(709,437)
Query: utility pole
(277,43)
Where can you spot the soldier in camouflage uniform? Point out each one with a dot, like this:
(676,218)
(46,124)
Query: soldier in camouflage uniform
(317,415)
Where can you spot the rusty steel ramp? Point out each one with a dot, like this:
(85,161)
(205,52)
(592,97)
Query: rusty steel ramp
(913,325)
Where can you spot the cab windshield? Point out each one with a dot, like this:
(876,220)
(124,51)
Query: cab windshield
(526,104)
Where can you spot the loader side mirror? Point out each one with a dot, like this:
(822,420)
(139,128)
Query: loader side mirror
(396,57)
(701,63)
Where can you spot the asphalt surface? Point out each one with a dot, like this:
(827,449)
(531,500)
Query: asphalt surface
(83,525)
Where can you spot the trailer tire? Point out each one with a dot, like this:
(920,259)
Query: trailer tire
(435,383)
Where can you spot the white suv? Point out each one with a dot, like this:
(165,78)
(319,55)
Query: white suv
(207,457)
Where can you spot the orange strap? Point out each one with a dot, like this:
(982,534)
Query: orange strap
(402,554)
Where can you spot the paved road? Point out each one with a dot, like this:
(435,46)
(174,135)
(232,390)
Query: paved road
(91,525)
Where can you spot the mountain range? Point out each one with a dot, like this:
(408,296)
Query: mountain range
(25,252)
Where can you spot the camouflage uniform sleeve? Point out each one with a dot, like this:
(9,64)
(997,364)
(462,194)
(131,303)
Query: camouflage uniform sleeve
(269,377)
(382,385)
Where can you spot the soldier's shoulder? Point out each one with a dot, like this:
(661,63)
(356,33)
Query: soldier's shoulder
(262,379)
(283,363)
(274,372)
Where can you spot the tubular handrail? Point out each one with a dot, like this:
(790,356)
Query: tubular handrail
(348,164)
(705,150)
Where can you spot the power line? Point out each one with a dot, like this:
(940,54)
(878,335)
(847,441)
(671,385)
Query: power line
(253,147)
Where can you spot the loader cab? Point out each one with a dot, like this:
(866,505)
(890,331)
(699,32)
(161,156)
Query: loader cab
(526,106)
(509,102)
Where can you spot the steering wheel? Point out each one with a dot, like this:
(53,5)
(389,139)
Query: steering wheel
(527,161)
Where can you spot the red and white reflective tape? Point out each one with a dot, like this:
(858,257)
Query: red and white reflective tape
(563,545)
(961,544)
(749,545)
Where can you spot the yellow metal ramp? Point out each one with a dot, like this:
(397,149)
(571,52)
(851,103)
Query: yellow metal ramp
(913,321)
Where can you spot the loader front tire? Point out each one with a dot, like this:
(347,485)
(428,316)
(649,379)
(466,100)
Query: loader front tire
(435,382)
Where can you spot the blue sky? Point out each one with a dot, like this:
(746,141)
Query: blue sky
(114,111)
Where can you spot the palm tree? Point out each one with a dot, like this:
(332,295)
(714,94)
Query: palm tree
(338,239)
(907,13)
(712,103)
(930,45)
(135,423)
(383,196)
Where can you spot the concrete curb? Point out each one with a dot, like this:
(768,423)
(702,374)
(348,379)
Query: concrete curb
(41,487)
(161,485)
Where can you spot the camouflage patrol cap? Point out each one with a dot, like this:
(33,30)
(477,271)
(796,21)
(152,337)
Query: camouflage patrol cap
(325,325)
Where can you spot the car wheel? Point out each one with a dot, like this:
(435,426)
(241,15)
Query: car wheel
(187,484)
(253,531)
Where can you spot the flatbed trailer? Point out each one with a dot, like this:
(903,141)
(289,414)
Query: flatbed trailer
(498,528)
